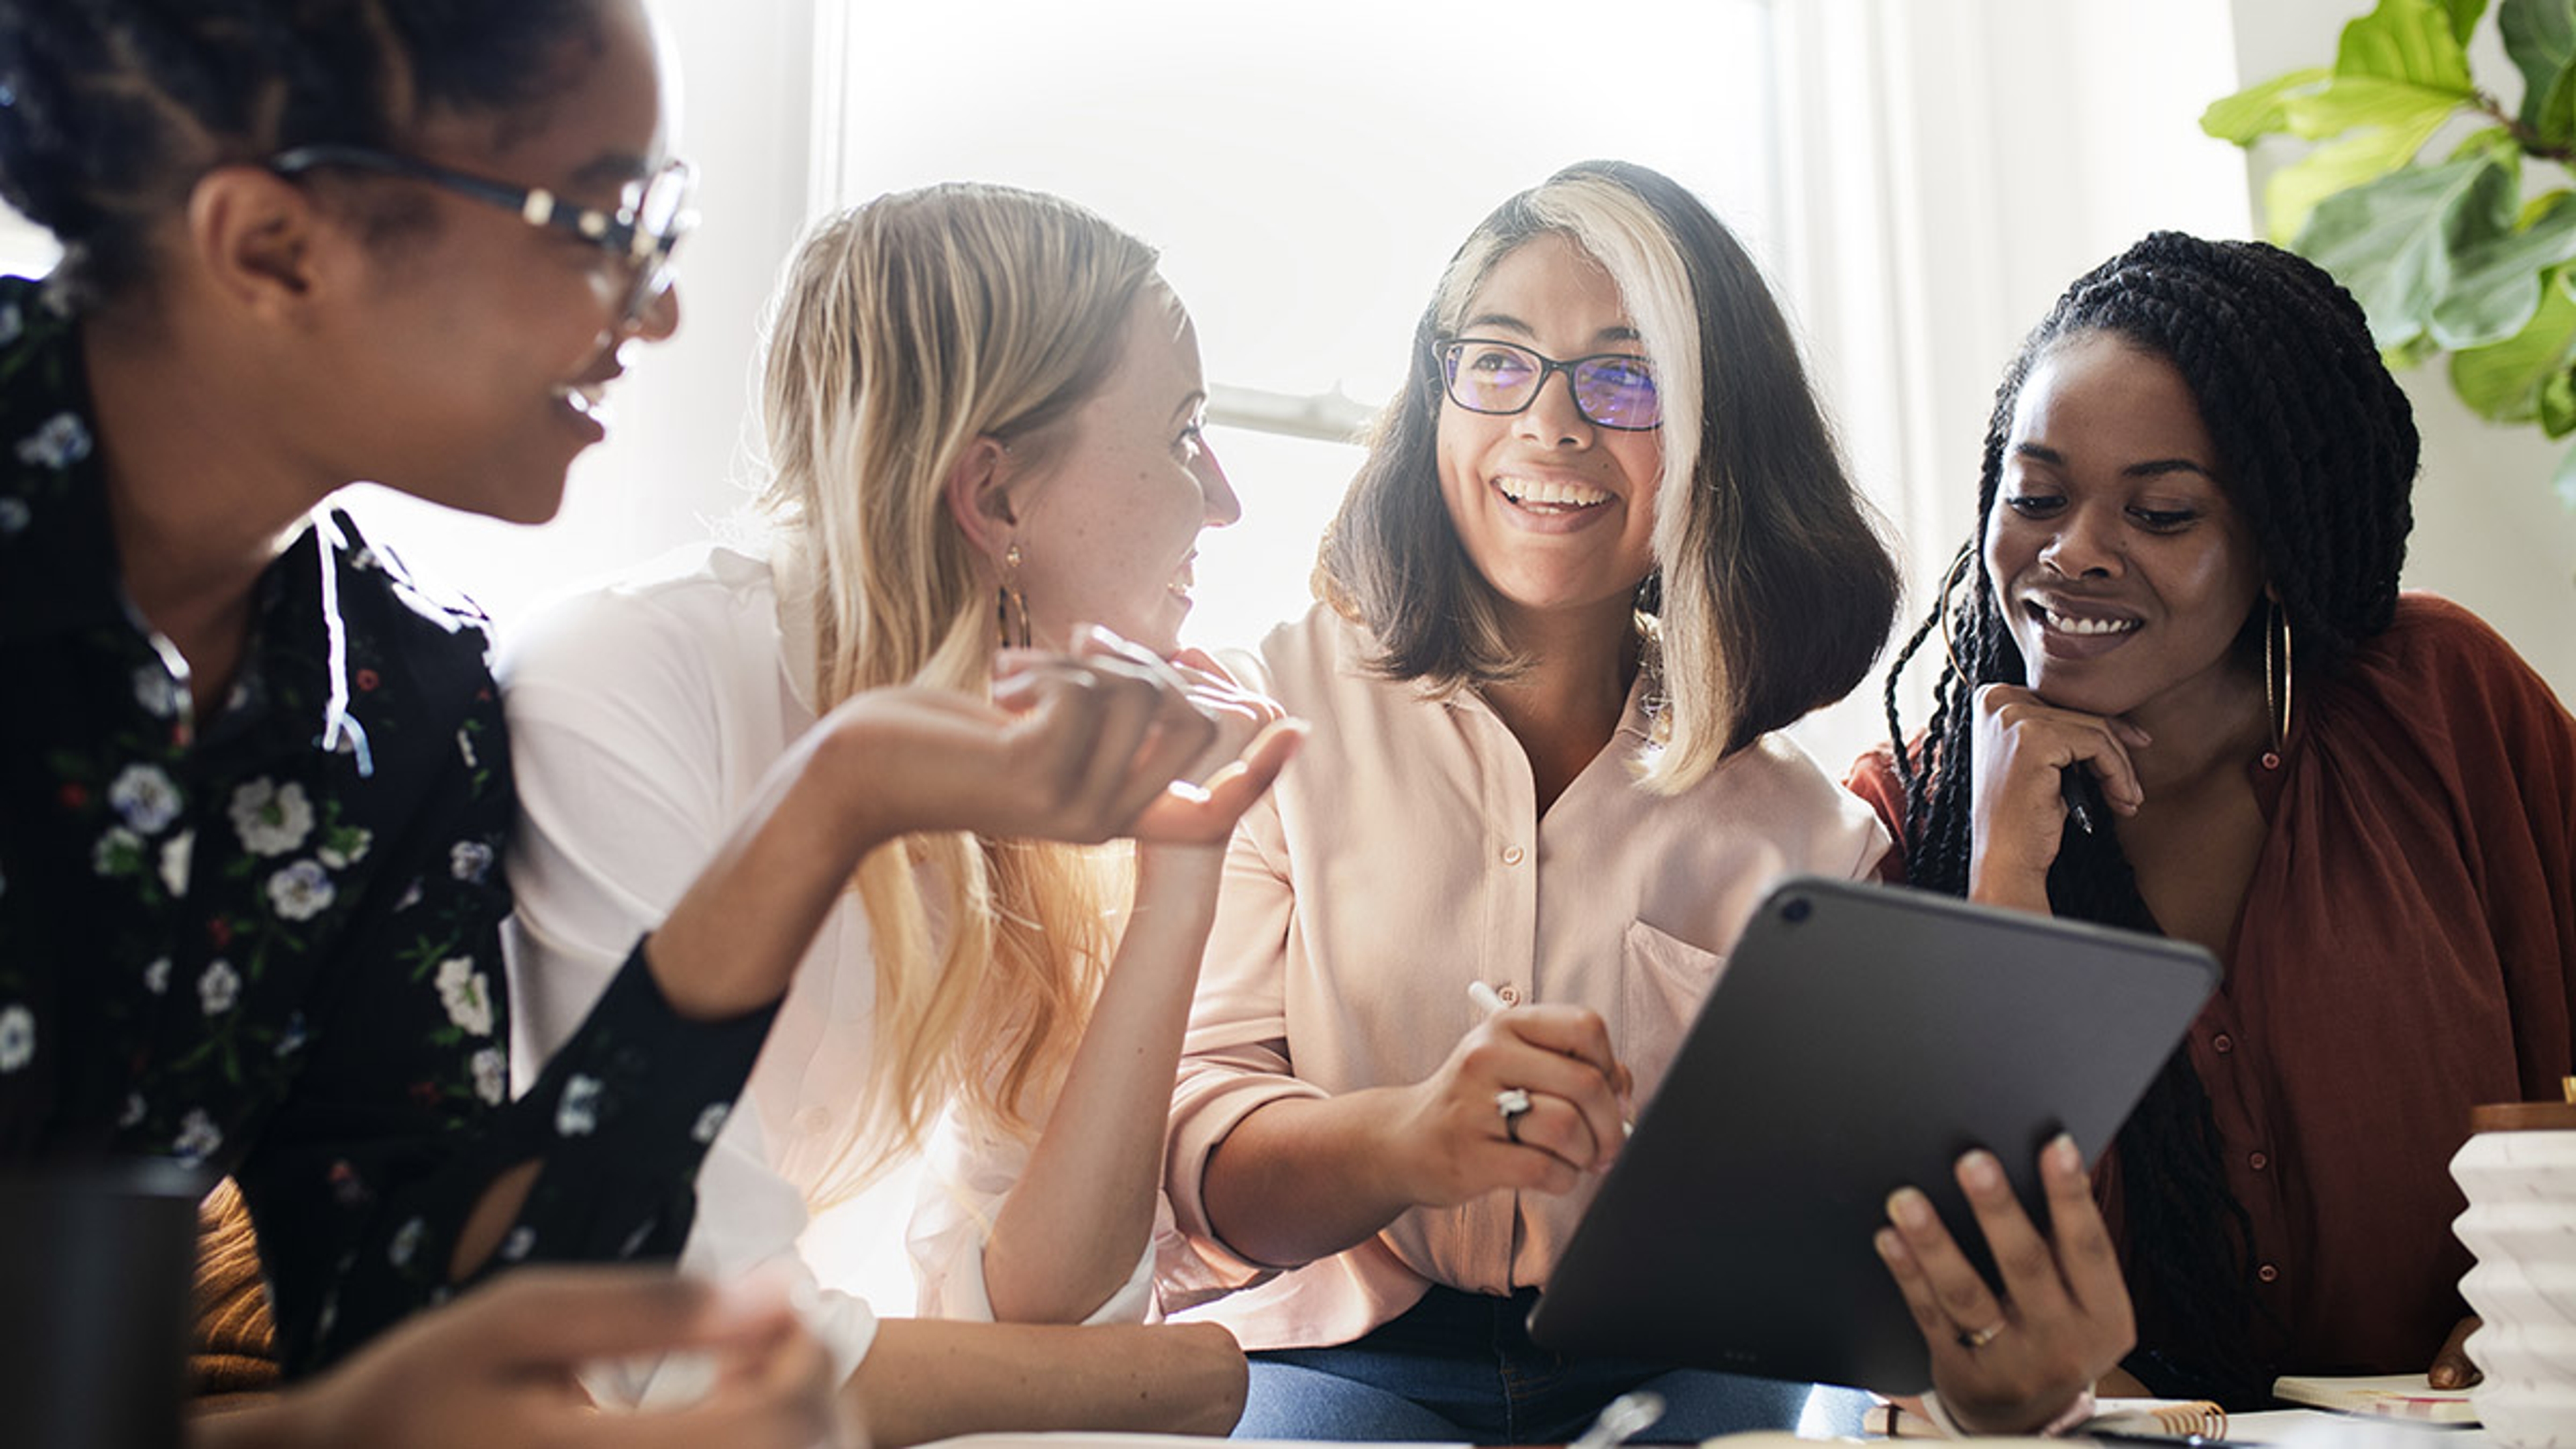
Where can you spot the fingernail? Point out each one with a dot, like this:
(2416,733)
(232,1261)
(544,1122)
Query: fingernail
(1908,1207)
(2444,1376)
(1889,1245)
(2064,1155)
(1979,1170)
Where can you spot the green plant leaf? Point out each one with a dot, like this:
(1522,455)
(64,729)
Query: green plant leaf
(2394,241)
(2496,285)
(2464,17)
(2540,35)
(2503,381)
(2347,102)
(2257,111)
(2294,190)
(2406,40)
(2558,403)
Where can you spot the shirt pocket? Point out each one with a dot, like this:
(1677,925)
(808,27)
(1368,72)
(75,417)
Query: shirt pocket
(1662,981)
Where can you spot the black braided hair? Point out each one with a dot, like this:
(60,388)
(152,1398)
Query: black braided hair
(2317,448)
(111,109)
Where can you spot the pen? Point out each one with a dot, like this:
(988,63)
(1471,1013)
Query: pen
(2073,788)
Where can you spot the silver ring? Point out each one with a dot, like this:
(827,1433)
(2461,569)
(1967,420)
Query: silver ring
(1513,1103)
(1976,1338)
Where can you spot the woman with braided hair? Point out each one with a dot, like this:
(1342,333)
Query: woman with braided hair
(254,779)
(2181,692)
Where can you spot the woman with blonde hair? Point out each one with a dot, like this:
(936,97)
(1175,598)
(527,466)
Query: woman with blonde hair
(983,413)
(1601,549)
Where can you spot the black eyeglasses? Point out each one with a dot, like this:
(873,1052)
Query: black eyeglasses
(1611,389)
(640,233)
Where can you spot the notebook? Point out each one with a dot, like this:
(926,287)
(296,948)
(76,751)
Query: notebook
(1860,1038)
(2386,1396)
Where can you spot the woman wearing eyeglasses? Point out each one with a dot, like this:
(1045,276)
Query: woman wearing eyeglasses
(254,782)
(1600,549)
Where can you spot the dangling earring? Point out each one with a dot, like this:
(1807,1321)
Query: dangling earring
(1650,594)
(1941,604)
(1011,607)
(2276,681)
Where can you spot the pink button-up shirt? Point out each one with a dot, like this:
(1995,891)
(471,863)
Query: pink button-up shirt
(1403,856)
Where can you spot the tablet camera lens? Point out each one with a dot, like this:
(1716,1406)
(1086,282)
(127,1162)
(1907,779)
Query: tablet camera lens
(1794,909)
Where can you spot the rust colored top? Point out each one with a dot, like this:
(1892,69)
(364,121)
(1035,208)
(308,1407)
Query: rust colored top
(2406,952)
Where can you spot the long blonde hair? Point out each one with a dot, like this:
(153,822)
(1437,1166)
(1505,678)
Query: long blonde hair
(907,329)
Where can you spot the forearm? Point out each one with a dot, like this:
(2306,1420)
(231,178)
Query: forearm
(1074,1225)
(926,1379)
(732,942)
(1302,1178)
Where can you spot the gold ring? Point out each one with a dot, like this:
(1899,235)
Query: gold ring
(1975,1338)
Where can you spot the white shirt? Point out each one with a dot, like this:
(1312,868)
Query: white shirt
(643,716)
(1403,856)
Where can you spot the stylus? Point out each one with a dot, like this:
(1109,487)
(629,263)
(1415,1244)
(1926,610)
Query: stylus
(1489,1001)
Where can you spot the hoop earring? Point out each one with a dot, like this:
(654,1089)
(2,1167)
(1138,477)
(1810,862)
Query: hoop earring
(1010,606)
(2276,681)
(1941,605)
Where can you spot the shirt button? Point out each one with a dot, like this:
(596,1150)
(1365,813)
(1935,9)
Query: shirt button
(2222,1044)
(2258,1162)
(2268,1273)
(1511,855)
(1511,995)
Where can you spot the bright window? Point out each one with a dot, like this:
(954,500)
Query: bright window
(1306,171)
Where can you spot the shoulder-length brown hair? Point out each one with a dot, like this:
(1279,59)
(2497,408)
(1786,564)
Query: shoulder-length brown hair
(1772,590)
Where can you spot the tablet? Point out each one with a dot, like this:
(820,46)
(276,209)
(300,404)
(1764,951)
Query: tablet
(1860,1039)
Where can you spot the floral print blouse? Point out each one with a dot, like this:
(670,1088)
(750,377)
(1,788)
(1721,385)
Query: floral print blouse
(266,943)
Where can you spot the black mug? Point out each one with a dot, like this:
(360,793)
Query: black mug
(97,1267)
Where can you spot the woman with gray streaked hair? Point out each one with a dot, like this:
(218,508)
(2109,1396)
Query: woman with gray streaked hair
(1602,548)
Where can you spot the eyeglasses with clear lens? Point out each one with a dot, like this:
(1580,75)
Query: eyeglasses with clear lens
(1611,389)
(652,215)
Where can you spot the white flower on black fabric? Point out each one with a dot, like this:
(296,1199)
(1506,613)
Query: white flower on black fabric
(710,1122)
(466,993)
(468,860)
(119,852)
(346,848)
(521,1242)
(144,798)
(176,854)
(410,896)
(578,1113)
(156,691)
(219,987)
(156,977)
(491,1075)
(406,1242)
(132,1116)
(62,441)
(465,748)
(292,1041)
(301,891)
(271,818)
(198,1138)
(17,1037)
(15,515)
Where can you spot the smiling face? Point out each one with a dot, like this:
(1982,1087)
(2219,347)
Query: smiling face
(1556,512)
(471,375)
(2122,568)
(1108,527)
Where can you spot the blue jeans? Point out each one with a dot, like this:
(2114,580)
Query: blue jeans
(1460,1366)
